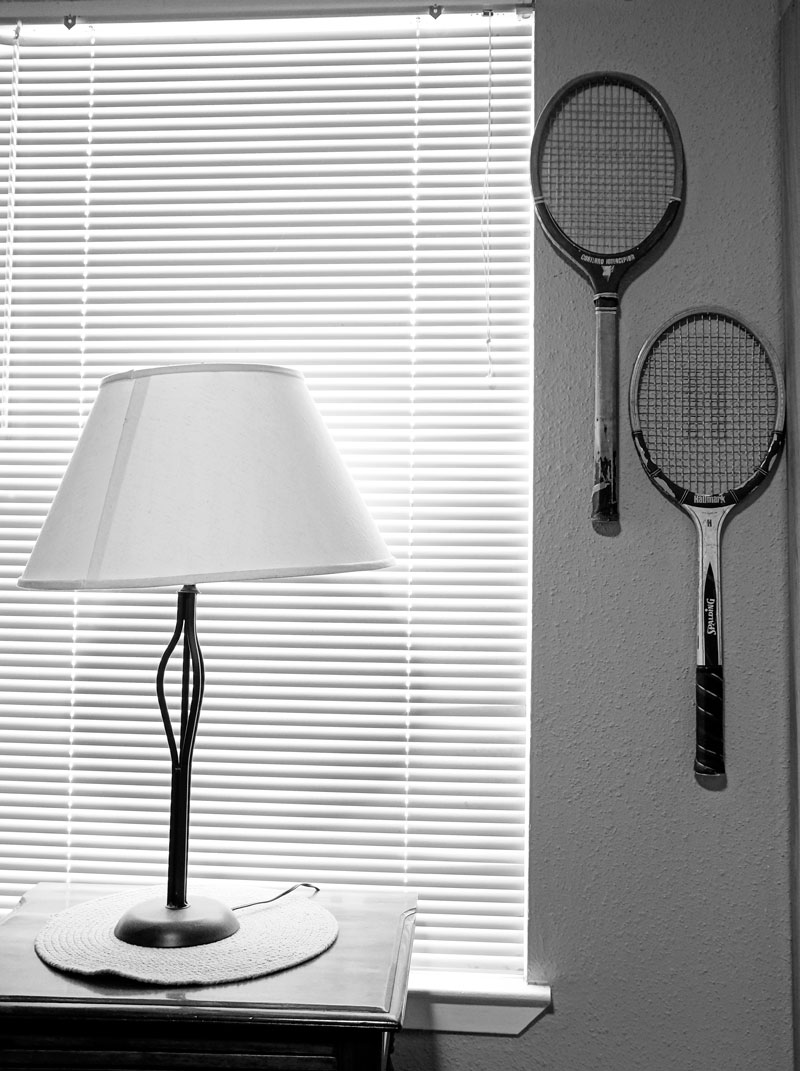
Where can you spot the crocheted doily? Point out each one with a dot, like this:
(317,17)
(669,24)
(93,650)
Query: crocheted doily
(271,937)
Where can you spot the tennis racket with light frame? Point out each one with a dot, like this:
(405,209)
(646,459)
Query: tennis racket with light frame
(607,174)
(707,408)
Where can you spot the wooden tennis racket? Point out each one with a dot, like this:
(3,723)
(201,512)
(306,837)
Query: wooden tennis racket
(607,175)
(707,408)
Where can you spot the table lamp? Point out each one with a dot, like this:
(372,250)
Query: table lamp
(189,474)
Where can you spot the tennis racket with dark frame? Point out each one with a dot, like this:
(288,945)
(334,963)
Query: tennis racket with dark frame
(707,408)
(607,174)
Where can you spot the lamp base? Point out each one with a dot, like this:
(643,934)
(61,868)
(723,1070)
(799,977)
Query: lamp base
(154,925)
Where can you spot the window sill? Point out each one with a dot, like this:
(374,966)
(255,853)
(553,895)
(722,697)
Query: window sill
(473,1003)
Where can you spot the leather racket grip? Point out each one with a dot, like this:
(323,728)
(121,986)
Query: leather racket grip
(709,759)
(605,507)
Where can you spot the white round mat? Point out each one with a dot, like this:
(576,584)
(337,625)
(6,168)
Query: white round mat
(271,937)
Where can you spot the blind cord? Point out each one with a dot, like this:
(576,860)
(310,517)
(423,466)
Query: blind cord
(5,382)
(485,210)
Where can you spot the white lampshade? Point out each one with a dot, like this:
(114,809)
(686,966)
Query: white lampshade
(203,472)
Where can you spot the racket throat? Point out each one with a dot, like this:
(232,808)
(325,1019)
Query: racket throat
(709,629)
(709,524)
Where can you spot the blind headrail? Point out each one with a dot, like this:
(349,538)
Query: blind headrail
(89,11)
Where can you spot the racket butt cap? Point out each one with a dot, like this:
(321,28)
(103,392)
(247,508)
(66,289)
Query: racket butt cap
(604,525)
(605,513)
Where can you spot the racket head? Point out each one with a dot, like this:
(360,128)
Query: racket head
(707,409)
(607,173)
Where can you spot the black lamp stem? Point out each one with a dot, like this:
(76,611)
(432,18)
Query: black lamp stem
(192,684)
(178,923)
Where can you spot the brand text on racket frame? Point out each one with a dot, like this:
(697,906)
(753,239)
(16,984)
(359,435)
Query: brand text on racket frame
(711,617)
(607,260)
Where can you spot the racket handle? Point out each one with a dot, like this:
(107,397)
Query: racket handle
(605,508)
(708,756)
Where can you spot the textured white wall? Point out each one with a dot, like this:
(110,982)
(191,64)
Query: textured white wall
(660,910)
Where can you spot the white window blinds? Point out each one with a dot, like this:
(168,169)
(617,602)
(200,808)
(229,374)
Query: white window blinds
(349,197)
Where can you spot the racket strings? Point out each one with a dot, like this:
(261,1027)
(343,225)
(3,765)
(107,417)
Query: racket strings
(707,401)
(607,167)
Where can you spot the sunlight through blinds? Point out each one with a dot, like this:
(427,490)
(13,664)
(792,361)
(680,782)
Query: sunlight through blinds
(349,197)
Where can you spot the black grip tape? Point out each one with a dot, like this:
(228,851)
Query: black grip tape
(709,759)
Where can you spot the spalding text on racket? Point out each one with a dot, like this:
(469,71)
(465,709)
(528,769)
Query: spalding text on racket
(607,176)
(707,408)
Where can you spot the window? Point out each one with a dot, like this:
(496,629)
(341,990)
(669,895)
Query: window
(349,197)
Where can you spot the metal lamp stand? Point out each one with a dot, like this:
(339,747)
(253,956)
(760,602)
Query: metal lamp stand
(178,923)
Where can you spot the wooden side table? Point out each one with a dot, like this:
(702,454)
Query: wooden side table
(338,1012)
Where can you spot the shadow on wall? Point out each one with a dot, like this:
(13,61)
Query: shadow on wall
(420,1050)
(415,1050)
